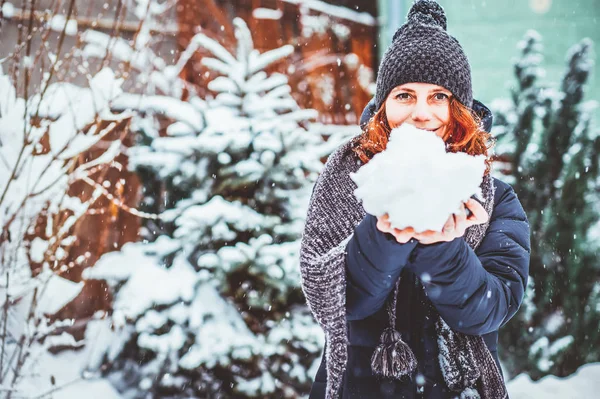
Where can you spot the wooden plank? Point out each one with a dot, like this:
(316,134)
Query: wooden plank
(321,75)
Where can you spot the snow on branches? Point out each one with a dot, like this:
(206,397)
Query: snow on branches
(213,290)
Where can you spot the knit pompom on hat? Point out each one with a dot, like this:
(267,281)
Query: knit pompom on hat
(427,12)
(422,51)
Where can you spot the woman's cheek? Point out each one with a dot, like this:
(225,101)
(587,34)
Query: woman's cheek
(396,118)
(396,113)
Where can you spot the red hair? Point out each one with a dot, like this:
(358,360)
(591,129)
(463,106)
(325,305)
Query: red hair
(464,133)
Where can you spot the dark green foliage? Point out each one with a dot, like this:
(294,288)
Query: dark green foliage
(552,146)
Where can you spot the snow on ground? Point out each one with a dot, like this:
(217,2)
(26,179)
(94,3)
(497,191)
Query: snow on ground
(67,368)
(96,389)
(584,383)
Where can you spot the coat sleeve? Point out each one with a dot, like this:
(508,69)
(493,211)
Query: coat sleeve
(374,261)
(477,292)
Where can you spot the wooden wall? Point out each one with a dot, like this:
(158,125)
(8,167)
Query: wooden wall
(330,71)
(107,227)
(332,65)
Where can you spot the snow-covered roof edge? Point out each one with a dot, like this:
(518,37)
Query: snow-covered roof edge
(337,11)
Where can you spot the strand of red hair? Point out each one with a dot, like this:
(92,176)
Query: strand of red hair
(464,133)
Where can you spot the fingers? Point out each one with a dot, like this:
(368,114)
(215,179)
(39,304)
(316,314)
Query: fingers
(461,216)
(479,215)
(424,236)
(432,236)
(383,223)
(461,222)
(449,226)
(456,225)
(403,236)
(385,226)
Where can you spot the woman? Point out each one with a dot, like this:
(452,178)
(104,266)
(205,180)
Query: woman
(409,314)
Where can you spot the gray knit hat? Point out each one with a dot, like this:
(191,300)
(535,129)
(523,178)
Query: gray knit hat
(422,51)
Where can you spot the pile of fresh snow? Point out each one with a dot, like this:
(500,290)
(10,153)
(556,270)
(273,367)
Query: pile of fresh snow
(416,182)
(70,374)
(584,383)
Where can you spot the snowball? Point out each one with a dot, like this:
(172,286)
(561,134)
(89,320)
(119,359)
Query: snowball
(416,182)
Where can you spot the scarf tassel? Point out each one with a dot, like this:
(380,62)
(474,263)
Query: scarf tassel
(393,358)
(470,393)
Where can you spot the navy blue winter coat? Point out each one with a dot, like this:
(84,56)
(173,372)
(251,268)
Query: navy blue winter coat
(475,292)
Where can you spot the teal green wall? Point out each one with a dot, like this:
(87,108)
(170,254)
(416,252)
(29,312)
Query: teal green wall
(489,31)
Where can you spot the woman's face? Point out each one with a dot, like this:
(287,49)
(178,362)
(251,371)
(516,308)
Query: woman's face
(424,105)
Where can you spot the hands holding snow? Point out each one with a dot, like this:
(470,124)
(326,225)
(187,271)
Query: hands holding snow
(418,190)
(455,226)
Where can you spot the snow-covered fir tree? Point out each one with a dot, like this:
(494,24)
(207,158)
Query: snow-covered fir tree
(547,135)
(210,305)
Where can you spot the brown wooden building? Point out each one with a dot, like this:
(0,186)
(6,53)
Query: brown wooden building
(331,70)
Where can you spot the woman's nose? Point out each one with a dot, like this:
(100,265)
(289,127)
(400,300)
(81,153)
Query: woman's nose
(421,112)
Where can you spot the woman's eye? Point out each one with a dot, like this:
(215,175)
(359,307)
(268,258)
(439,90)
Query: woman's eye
(441,96)
(402,96)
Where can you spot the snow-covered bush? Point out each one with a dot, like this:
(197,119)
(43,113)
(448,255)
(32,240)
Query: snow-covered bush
(42,140)
(545,132)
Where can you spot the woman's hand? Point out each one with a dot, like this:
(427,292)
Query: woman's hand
(456,225)
(402,236)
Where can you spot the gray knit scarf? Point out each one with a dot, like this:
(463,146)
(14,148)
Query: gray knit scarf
(468,367)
